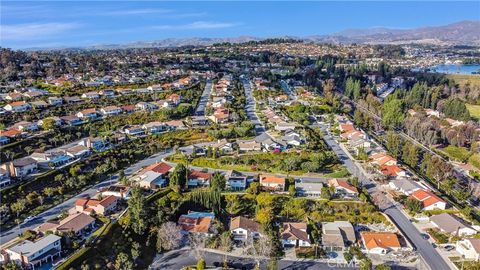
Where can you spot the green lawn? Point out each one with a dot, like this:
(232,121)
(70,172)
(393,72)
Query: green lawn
(475,160)
(474,110)
(457,153)
(473,80)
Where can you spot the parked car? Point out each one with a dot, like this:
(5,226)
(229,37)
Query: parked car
(30,218)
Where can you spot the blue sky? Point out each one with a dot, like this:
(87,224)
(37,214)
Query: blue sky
(69,23)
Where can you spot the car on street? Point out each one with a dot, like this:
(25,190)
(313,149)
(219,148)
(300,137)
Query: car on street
(30,218)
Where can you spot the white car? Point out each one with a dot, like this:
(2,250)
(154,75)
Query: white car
(30,218)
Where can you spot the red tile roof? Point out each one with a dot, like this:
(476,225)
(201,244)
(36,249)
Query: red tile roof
(426,197)
(199,175)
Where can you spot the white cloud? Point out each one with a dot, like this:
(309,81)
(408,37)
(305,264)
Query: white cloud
(34,31)
(196,25)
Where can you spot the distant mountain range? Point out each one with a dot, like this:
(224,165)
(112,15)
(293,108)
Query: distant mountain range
(460,33)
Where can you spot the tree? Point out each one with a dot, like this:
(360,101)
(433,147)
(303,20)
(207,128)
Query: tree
(392,112)
(218,181)
(365,264)
(326,193)
(414,205)
(11,266)
(197,244)
(137,212)
(291,190)
(135,251)
(264,216)
(254,188)
(169,236)
(383,267)
(201,265)
(19,206)
(178,177)
(48,123)
(123,262)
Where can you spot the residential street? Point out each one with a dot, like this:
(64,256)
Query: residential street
(177,259)
(250,107)
(8,235)
(202,103)
(428,253)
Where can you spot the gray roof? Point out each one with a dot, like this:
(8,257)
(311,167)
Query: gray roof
(308,187)
(23,162)
(448,223)
(333,231)
(29,248)
(406,184)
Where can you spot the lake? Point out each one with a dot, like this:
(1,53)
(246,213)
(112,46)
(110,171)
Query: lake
(456,69)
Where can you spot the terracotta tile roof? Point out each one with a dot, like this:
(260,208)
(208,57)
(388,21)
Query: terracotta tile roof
(373,240)
(272,179)
(198,222)
(89,111)
(338,183)
(426,197)
(160,167)
(347,127)
(17,103)
(108,201)
(392,170)
(10,133)
(198,174)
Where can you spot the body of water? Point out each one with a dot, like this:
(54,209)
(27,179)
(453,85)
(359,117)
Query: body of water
(456,69)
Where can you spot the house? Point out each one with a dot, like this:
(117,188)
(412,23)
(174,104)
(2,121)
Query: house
(57,121)
(111,110)
(4,178)
(236,180)
(134,130)
(52,158)
(156,127)
(90,114)
(283,126)
(146,106)
(452,225)
(73,100)
(380,242)
(272,182)
(14,96)
(174,99)
(128,108)
(348,127)
(117,190)
(358,142)
(306,189)
(393,171)
(91,95)
(78,151)
(295,235)
(17,106)
(382,159)
(198,121)
(10,133)
(176,124)
(103,207)
(243,228)
(78,223)
(4,139)
(34,253)
(405,186)
(39,104)
(429,200)
(55,101)
(33,94)
(267,142)
(221,115)
(248,146)
(153,176)
(337,235)
(223,146)
(21,167)
(72,120)
(469,248)
(107,93)
(96,144)
(198,178)
(343,187)
(197,222)
(25,126)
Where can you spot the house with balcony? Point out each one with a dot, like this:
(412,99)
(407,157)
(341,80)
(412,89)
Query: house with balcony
(294,234)
(35,253)
(22,167)
(111,110)
(236,180)
(17,107)
(198,179)
(243,228)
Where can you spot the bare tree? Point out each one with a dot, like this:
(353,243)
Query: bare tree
(197,244)
(260,249)
(169,236)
